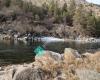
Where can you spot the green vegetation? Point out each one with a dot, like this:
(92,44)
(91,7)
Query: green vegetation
(98,26)
(7,3)
(83,21)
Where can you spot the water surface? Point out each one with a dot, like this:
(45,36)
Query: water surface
(12,52)
(15,52)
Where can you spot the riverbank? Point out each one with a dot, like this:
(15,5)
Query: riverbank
(26,37)
(54,66)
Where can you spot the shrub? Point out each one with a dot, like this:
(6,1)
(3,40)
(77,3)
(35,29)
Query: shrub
(97,28)
(18,3)
(7,3)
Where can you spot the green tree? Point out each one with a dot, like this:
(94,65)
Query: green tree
(97,28)
(27,6)
(91,24)
(7,3)
(85,22)
(71,12)
(51,8)
(19,3)
(72,8)
(61,13)
(80,20)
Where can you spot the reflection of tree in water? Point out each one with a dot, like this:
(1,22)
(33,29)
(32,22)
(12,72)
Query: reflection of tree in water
(81,47)
(6,42)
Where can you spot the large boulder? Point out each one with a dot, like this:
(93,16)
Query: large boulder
(92,56)
(92,59)
(47,58)
(70,55)
(86,74)
(11,72)
(45,67)
(6,75)
(32,74)
(46,54)
(96,56)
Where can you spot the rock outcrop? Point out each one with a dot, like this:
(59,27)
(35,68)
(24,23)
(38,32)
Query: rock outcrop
(32,74)
(55,66)
(93,56)
(70,55)
(85,74)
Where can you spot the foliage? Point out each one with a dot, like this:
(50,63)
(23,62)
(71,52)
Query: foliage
(73,15)
(19,3)
(97,26)
(79,20)
(72,8)
(91,24)
(7,3)
(59,13)
(85,22)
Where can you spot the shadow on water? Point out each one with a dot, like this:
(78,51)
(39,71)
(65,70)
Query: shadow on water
(12,52)
(81,47)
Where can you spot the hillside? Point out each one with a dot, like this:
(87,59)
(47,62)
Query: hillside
(95,8)
(63,18)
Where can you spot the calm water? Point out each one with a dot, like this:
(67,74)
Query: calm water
(12,52)
(15,52)
(60,46)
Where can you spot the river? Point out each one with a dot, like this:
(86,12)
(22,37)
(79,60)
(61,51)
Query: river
(12,52)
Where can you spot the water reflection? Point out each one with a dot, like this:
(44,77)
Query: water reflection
(12,52)
(81,47)
(15,52)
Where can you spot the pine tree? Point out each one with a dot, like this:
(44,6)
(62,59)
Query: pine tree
(7,3)
(71,12)
(80,20)
(97,28)
(91,24)
(72,8)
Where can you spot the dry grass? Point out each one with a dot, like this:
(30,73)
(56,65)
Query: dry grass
(68,70)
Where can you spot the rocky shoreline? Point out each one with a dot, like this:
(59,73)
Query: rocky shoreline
(26,37)
(54,66)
